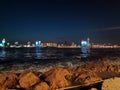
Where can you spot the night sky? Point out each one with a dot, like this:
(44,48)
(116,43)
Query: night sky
(60,20)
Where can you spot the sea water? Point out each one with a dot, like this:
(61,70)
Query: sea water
(43,59)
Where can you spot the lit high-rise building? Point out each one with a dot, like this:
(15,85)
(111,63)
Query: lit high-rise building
(28,44)
(88,41)
(85,49)
(3,43)
(84,43)
(37,43)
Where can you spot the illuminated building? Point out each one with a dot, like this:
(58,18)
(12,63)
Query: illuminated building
(85,49)
(84,43)
(16,43)
(28,44)
(8,44)
(88,41)
(49,44)
(3,43)
(37,43)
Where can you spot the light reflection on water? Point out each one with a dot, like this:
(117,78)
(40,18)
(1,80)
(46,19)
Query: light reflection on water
(85,52)
(17,59)
(2,54)
(53,53)
(38,53)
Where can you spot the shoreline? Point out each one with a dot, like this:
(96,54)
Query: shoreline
(62,77)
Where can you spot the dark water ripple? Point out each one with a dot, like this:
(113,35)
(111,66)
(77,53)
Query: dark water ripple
(16,59)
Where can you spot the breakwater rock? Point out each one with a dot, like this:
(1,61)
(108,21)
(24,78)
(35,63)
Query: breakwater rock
(61,77)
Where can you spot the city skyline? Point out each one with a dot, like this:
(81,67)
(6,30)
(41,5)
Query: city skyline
(60,20)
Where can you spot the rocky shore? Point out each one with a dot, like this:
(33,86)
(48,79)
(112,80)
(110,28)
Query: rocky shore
(100,72)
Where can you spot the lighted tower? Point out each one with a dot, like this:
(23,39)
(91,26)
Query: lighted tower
(84,43)
(85,49)
(3,43)
(38,43)
(88,41)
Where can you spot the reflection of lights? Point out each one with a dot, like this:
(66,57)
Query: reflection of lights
(38,53)
(84,43)
(2,53)
(84,52)
(85,48)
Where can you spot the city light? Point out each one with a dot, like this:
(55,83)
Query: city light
(84,43)
(38,43)
(3,43)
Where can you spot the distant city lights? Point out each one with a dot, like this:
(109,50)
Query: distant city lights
(38,43)
(84,43)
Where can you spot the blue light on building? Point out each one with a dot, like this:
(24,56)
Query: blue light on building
(37,43)
(84,43)
(3,43)
(85,49)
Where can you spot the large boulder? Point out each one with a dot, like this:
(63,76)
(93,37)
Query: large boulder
(111,84)
(42,86)
(8,80)
(87,77)
(58,78)
(28,79)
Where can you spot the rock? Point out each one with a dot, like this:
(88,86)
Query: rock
(28,79)
(18,86)
(23,73)
(3,88)
(57,78)
(100,66)
(8,80)
(111,84)
(113,68)
(2,79)
(87,77)
(93,89)
(42,86)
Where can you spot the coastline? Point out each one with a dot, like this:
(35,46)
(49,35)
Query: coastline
(58,77)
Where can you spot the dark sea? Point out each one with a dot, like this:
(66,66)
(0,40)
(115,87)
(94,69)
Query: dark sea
(43,59)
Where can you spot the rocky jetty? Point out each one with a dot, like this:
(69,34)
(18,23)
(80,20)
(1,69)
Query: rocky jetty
(61,77)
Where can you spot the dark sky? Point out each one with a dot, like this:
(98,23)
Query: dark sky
(60,20)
